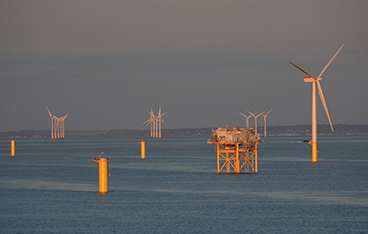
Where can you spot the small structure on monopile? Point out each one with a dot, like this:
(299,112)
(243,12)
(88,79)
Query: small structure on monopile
(236,150)
(103,163)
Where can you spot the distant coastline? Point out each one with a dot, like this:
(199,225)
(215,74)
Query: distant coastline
(293,130)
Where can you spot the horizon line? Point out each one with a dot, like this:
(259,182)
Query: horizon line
(181,128)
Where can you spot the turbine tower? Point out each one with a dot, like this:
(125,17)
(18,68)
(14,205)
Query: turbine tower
(315,80)
(255,116)
(265,116)
(247,117)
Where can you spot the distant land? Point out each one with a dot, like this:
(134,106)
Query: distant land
(295,130)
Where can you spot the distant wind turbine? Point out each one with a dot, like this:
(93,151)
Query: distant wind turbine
(247,117)
(265,116)
(255,116)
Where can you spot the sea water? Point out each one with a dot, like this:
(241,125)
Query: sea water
(52,188)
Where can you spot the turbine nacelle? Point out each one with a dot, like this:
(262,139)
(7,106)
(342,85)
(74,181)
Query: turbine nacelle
(308,79)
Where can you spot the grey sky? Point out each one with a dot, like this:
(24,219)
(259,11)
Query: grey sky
(109,62)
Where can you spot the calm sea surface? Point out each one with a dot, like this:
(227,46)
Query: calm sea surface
(51,188)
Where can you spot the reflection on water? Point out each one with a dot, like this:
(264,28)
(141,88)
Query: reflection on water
(46,185)
(51,187)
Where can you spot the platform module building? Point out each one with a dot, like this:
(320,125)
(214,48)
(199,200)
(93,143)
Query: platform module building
(236,150)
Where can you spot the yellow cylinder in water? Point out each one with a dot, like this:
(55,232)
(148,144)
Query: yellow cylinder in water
(103,175)
(12,148)
(143,149)
(314,152)
(256,158)
(237,159)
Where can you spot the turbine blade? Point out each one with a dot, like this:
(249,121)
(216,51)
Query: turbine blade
(244,115)
(324,104)
(259,114)
(330,61)
(300,68)
(266,113)
(48,110)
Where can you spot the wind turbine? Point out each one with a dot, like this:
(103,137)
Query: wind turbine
(52,122)
(151,122)
(315,80)
(265,116)
(247,117)
(57,125)
(159,119)
(255,116)
(62,119)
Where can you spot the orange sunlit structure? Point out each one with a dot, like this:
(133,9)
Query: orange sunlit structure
(236,150)
(103,174)
(317,86)
(143,149)
(12,148)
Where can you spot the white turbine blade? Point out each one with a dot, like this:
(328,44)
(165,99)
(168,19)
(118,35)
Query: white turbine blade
(65,116)
(330,61)
(259,114)
(251,113)
(244,115)
(151,114)
(48,110)
(266,113)
(148,121)
(324,104)
(300,68)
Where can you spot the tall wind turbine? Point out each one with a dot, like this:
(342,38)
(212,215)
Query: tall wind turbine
(52,122)
(62,119)
(160,120)
(315,80)
(247,117)
(265,116)
(255,116)
(151,122)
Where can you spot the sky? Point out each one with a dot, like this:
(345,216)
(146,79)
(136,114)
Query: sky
(107,63)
